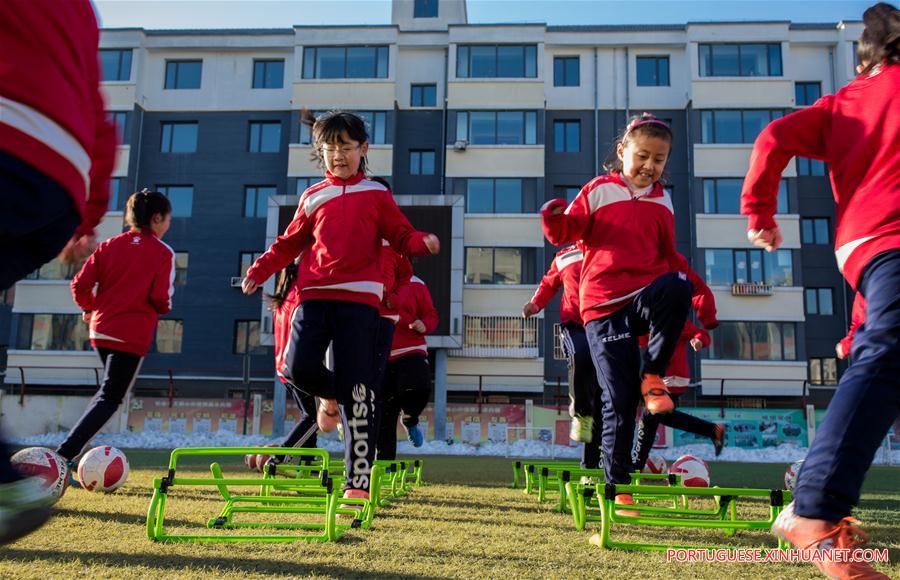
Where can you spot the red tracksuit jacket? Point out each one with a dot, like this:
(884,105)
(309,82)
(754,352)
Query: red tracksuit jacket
(52,115)
(343,222)
(857,317)
(679,368)
(282,318)
(565,271)
(857,132)
(134,274)
(628,241)
(413,300)
(390,263)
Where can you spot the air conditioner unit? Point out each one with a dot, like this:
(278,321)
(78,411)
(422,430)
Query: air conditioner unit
(460,145)
(236,281)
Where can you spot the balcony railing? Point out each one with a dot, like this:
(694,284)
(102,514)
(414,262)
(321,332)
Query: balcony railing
(499,337)
(751,289)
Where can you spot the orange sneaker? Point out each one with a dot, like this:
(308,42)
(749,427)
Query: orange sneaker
(328,415)
(354,494)
(656,395)
(625,499)
(824,536)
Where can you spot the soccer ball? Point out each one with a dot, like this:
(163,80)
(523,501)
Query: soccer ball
(45,464)
(790,475)
(250,461)
(103,469)
(694,472)
(655,464)
(261,461)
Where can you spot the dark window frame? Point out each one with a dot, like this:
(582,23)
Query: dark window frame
(178,63)
(171,126)
(265,63)
(659,59)
(711,47)
(312,58)
(562,73)
(464,61)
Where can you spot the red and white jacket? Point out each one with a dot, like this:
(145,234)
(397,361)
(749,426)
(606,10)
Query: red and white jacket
(52,115)
(413,300)
(282,321)
(390,263)
(134,275)
(628,239)
(857,317)
(857,132)
(342,222)
(678,375)
(565,271)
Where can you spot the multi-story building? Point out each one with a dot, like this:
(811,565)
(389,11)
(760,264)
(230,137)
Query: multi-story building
(489,121)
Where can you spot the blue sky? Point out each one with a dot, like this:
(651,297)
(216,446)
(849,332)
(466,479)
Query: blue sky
(285,13)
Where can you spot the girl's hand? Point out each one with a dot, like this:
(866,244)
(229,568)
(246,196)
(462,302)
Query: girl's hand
(839,351)
(770,240)
(557,209)
(249,286)
(529,310)
(86,316)
(78,249)
(432,243)
(418,326)
(696,344)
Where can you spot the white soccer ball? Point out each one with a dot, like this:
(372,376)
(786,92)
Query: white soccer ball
(790,475)
(103,469)
(655,464)
(45,464)
(694,472)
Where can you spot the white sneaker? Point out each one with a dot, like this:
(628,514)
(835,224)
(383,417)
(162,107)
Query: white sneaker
(581,429)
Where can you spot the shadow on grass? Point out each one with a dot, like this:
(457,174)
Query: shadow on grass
(121,518)
(172,562)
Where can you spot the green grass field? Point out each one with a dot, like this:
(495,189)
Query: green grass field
(466,522)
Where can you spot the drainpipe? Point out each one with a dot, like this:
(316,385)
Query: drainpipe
(596,114)
(444,122)
(627,88)
(843,283)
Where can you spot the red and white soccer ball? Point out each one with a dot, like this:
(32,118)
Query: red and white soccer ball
(103,469)
(790,475)
(694,472)
(655,464)
(261,461)
(250,461)
(45,464)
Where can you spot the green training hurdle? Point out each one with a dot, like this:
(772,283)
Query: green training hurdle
(582,500)
(723,517)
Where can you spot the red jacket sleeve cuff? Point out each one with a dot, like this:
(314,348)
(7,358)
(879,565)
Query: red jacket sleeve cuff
(760,222)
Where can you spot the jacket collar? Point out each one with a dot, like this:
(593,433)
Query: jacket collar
(334,180)
(656,190)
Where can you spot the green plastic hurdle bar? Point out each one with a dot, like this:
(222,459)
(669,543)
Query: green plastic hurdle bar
(723,517)
(317,496)
(570,479)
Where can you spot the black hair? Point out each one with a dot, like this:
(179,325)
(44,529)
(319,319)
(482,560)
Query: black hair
(143,205)
(284,280)
(646,124)
(330,127)
(880,40)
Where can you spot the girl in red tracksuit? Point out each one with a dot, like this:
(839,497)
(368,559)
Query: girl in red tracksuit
(678,377)
(123,288)
(632,280)
(339,224)
(857,132)
(407,381)
(565,272)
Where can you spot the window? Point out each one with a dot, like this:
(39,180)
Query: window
(268,74)
(265,137)
(500,265)
(723,126)
(819,301)
(421,162)
(740,60)
(806,94)
(814,231)
(246,337)
(180,196)
(484,61)
(256,200)
(183,74)
(376,127)
(168,336)
(558,352)
(810,167)
(423,96)
(653,71)
(52,332)
(566,71)
(120,120)
(247,259)
(754,341)
(116,64)
(115,186)
(179,137)
(55,270)
(303,183)
(425,9)
(501,332)
(723,195)
(498,196)
(727,267)
(823,371)
(497,127)
(569,192)
(345,62)
(181,268)
(566,136)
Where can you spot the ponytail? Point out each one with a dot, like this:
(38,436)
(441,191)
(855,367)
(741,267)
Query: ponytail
(283,284)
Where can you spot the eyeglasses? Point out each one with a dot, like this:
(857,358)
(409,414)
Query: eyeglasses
(331,152)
